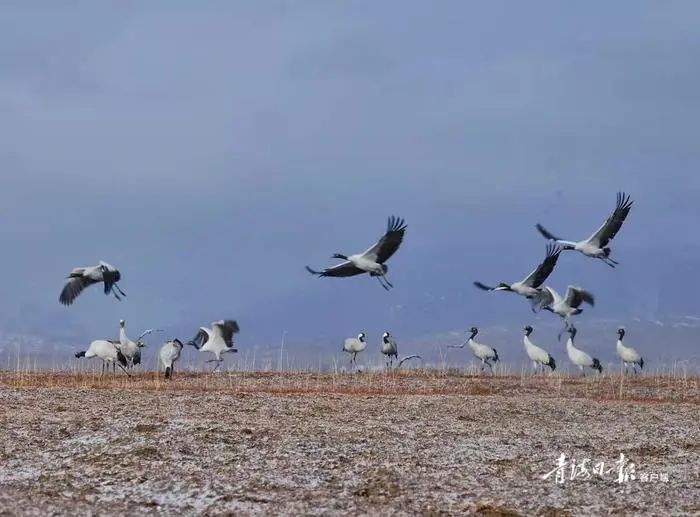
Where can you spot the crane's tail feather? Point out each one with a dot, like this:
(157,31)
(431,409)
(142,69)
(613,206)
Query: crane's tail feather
(121,358)
(80,354)
(168,372)
(552,364)
(597,366)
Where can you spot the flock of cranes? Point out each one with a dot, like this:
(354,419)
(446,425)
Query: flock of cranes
(544,297)
(219,338)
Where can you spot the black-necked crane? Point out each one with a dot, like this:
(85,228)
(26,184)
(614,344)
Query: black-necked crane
(529,286)
(627,354)
(108,352)
(216,340)
(355,345)
(484,353)
(132,349)
(169,354)
(82,277)
(578,356)
(596,246)
(539,356)
(371,261)
(390,348)
(565,307)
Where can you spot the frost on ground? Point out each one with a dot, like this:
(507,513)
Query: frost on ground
(415,442)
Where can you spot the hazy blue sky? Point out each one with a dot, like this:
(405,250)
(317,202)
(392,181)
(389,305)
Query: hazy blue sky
(212,149)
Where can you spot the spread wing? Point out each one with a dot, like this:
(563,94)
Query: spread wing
(544,298)
(200,339)
(539,275)
(575,296)
(341,270)
(73,288)
(389,243)
(228,328)
(546,233)
(612,225)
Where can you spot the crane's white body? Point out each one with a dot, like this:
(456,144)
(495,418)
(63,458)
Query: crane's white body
(539,356)
(95,273)
(389,348)
(217,340)
(355,345)
(361,261)
(579,357)
(105,350)
(216,344)
(102,349)
(127,347)
(521,289)
(169,354)
(589,247)
(560,307)
(627,354)
(484,353)
(563,306)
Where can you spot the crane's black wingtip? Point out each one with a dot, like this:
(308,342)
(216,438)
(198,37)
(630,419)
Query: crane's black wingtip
(396,224)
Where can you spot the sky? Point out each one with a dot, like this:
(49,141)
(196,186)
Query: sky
(211,150)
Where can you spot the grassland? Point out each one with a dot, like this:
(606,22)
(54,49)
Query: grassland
(364,443)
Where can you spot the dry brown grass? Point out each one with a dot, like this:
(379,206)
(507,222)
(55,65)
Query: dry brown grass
(643,390)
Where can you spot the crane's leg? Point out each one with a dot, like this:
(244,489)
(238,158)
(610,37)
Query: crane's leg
(564,329)
(379,279)
(116,286)
(103,368)
(124,370)
(115,294)
(605,261)
(387,281)
(583,372)
(218,364)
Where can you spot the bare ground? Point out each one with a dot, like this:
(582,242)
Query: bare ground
(369,443)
